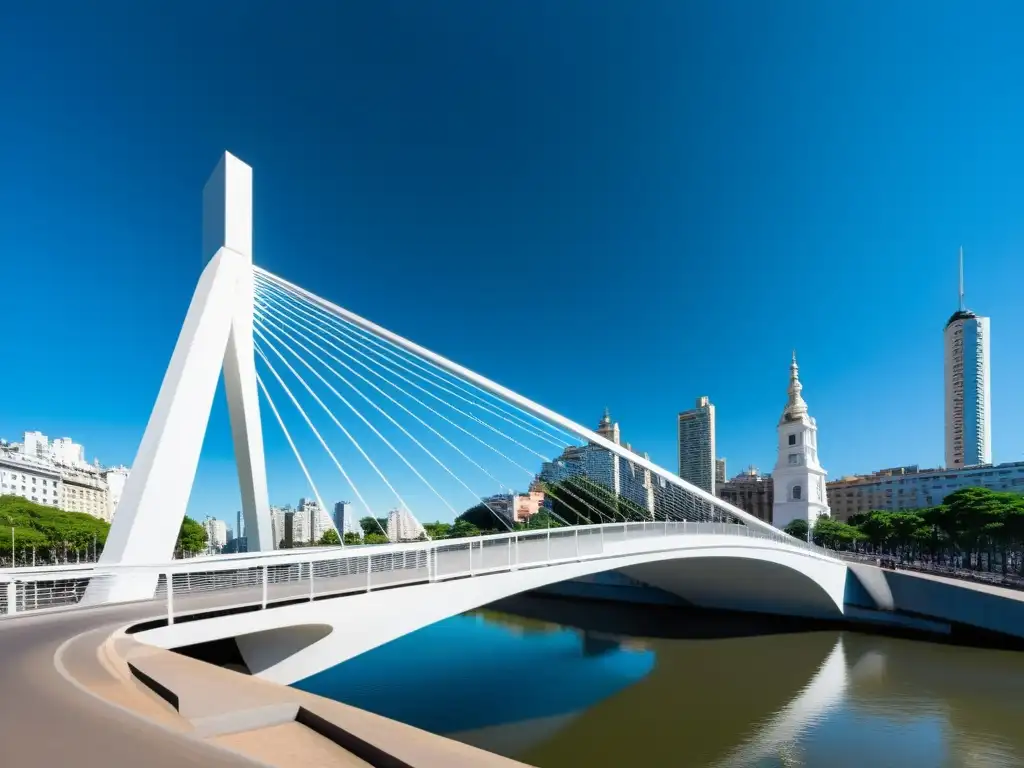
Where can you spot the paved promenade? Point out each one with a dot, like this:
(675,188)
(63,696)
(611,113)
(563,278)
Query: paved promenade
(68,698)
(47,721)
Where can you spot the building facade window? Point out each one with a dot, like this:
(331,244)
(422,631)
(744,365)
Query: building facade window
(797,493)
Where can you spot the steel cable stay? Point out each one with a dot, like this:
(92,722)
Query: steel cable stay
(402,504)
(306,332)
(266,325)
(265,329)
(698,502)
(277,311)
(400,358)
(484,400)
(659,500)
(501,485)
(409,362)
(383,365)
(371,369)
(330,453)
(288,437)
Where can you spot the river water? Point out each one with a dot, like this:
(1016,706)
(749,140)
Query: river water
(560,684)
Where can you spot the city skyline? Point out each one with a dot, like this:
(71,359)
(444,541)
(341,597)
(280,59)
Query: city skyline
(410,210)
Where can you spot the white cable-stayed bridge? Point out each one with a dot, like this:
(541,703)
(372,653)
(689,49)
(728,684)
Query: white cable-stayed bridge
(409,438)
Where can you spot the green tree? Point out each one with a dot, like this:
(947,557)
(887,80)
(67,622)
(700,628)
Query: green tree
(53,534)
(934,536)
(986,527)
(480,517)
(1012,533)
(462,529)
(329,538)
(376,526)
(906,530)
(375,538)
(352,538)
(978,513)
(438,530)
(192,536)
(543,519)
(834,534)
(797,529)
(877,528)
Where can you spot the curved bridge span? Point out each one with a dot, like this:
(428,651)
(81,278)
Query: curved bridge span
(351,604)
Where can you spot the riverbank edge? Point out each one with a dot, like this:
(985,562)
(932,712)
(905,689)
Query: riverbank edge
(271,724)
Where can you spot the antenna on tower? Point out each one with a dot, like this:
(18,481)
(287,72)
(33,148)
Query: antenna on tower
(961,278)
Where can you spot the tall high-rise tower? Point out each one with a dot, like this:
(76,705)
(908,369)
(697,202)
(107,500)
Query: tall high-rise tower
(968,392)
(798,477)
(696,432)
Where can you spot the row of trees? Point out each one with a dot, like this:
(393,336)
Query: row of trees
(974,528)
(46,534)
(43,534)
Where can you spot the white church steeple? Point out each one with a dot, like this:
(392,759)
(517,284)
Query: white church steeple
(799,478)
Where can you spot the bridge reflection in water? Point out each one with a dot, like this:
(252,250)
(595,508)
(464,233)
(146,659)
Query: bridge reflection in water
(560,683)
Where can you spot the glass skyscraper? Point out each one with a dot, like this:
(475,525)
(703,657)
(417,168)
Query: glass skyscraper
(696,433)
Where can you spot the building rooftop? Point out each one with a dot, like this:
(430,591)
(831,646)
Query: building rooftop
(913,470)
(960,314)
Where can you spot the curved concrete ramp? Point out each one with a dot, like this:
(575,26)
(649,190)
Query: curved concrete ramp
(723,571)
(269,647)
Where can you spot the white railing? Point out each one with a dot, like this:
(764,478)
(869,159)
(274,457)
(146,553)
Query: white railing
(259,579)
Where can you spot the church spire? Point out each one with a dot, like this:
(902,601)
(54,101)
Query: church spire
(795,406)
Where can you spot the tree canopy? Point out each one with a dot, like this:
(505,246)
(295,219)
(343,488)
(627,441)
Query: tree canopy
(330,538)
(192,537)
(56,534)
(973,527)
(52,532)
(797,529)
(375,526)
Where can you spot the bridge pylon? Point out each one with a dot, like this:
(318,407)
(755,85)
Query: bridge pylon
(217,335)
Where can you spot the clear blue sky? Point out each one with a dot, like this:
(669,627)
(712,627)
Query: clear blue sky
(694,188)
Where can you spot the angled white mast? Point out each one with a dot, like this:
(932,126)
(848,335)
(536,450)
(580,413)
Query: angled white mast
(216,335)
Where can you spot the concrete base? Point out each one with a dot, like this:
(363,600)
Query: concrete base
(937,599)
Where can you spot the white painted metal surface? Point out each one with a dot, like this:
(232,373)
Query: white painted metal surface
(227,206)
(442,579)
(216,334)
